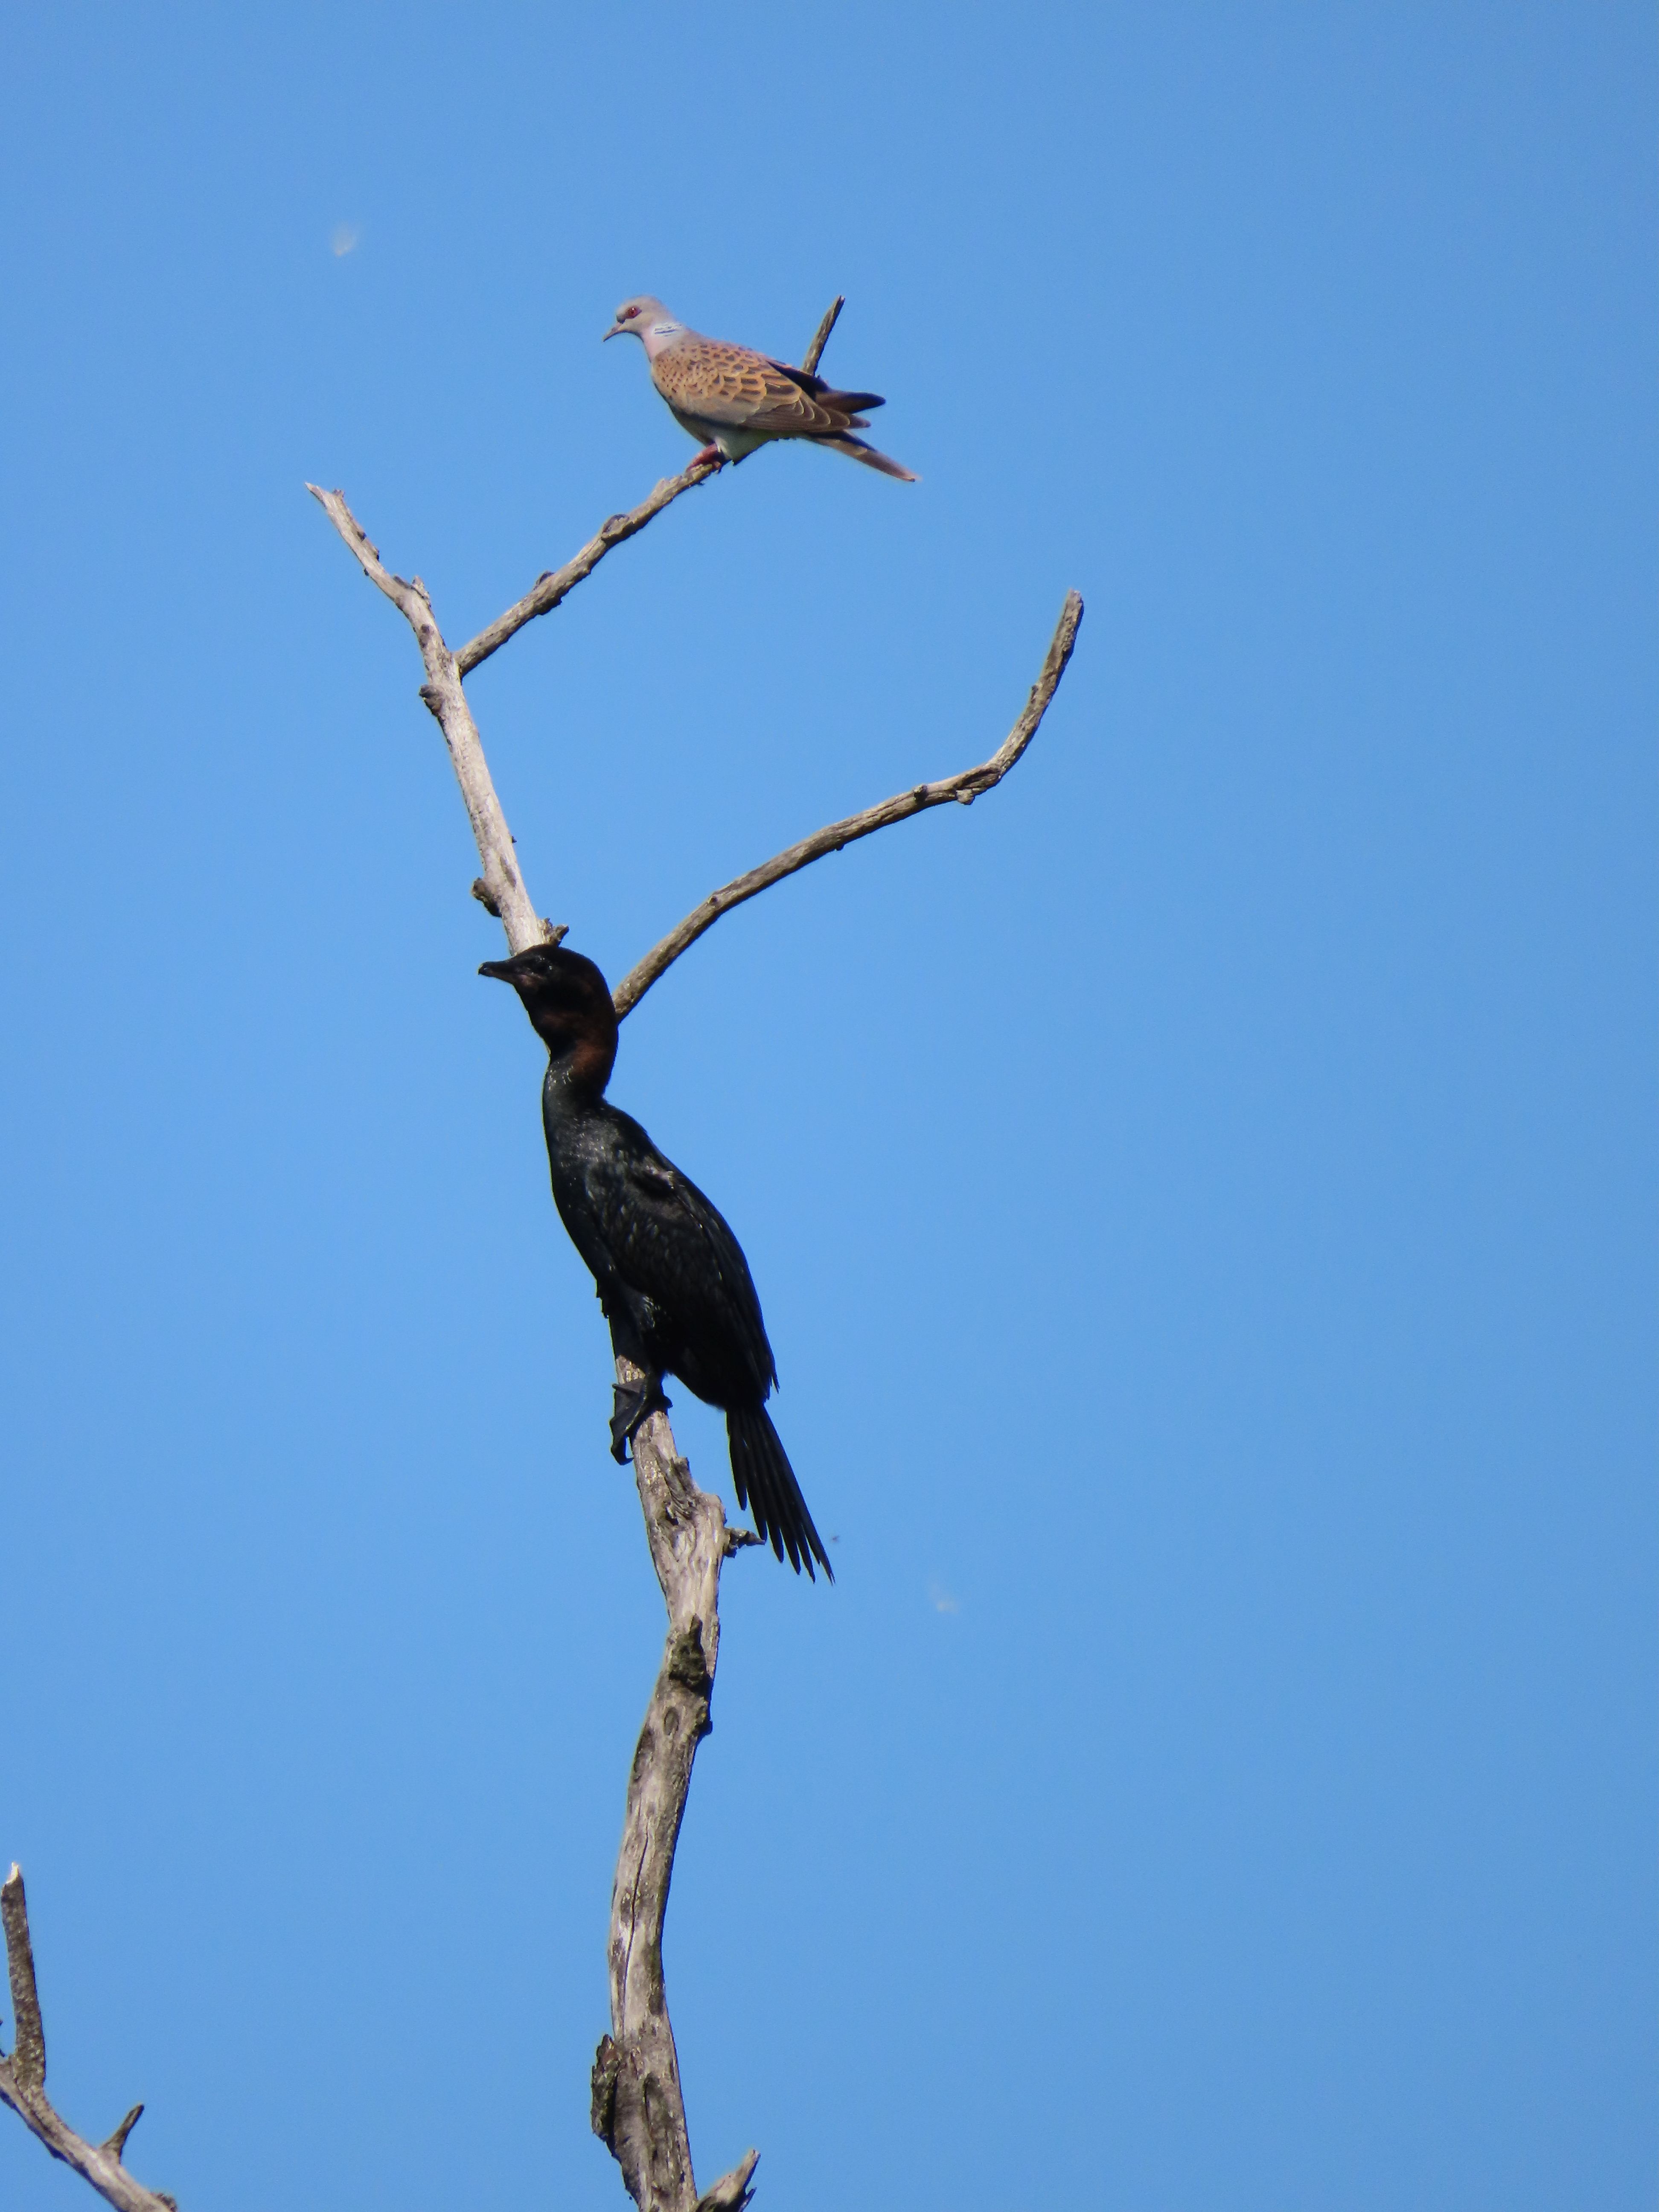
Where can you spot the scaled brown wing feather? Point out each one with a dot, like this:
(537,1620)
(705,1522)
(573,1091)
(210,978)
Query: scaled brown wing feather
(729,385)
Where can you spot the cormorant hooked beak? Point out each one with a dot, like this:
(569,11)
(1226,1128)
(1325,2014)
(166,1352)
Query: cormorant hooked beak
(500,970)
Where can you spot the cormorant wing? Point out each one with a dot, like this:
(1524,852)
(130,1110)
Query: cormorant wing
(670,1243)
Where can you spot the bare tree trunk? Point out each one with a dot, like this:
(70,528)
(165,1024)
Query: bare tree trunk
(638,2108)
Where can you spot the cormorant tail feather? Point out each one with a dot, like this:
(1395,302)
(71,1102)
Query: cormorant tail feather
(767,1486)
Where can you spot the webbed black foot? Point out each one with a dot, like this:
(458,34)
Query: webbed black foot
(631,1408)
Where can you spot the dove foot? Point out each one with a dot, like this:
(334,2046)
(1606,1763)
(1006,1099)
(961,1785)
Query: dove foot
(708,453)
(630,1409)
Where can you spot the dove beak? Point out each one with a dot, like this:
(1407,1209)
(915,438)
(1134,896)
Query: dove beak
(615,331)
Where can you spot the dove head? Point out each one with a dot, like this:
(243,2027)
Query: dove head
(649,321)
(568,1003)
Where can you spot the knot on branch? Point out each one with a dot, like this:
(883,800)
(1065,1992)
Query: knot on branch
(432,699)
(485,897)
(686,1663)
(607,2064)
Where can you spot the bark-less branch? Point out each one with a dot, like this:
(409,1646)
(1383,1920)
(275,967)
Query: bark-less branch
(23,2076)
(965,787)
(637,2105)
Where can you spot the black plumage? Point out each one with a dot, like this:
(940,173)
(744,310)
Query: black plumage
(670,1276)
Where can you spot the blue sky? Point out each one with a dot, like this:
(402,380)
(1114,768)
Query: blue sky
(1202,1198)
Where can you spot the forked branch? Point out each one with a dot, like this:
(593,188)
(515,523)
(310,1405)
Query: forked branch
(501,885)
(23,2076)
(638,2107)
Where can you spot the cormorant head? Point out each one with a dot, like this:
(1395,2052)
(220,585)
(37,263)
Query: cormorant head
(568,1003)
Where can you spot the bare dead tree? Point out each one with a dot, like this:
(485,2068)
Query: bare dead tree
(638,2109)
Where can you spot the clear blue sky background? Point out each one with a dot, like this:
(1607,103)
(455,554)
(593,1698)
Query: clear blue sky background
(1203,1198)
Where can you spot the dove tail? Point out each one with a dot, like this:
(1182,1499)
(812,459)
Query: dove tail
(842,402)
(849,402)
(766,1484)
(857,450)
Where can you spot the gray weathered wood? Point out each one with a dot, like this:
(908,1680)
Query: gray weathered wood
(637,2103)
(444,696)
(814,353)
(24,2075)
(545,593)
(638,2108)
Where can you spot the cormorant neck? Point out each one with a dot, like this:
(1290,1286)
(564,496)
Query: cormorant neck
(577,1074)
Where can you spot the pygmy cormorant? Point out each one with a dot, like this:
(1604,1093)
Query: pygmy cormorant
(672,1278)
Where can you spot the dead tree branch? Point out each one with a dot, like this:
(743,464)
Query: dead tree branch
(814,353)
(549,588)
(503,886)
(23,2076)
(965,787)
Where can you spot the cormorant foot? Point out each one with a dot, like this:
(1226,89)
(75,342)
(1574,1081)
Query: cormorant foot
(631,1408)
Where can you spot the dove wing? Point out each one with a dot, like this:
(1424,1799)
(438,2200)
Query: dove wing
(728,384)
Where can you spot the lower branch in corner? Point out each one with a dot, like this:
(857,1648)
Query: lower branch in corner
(23,2076)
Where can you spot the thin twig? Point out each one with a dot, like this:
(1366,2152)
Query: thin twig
(821,335)
(545,593)
(444,696)
(23,2076)
(732,2191)
(964,788)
